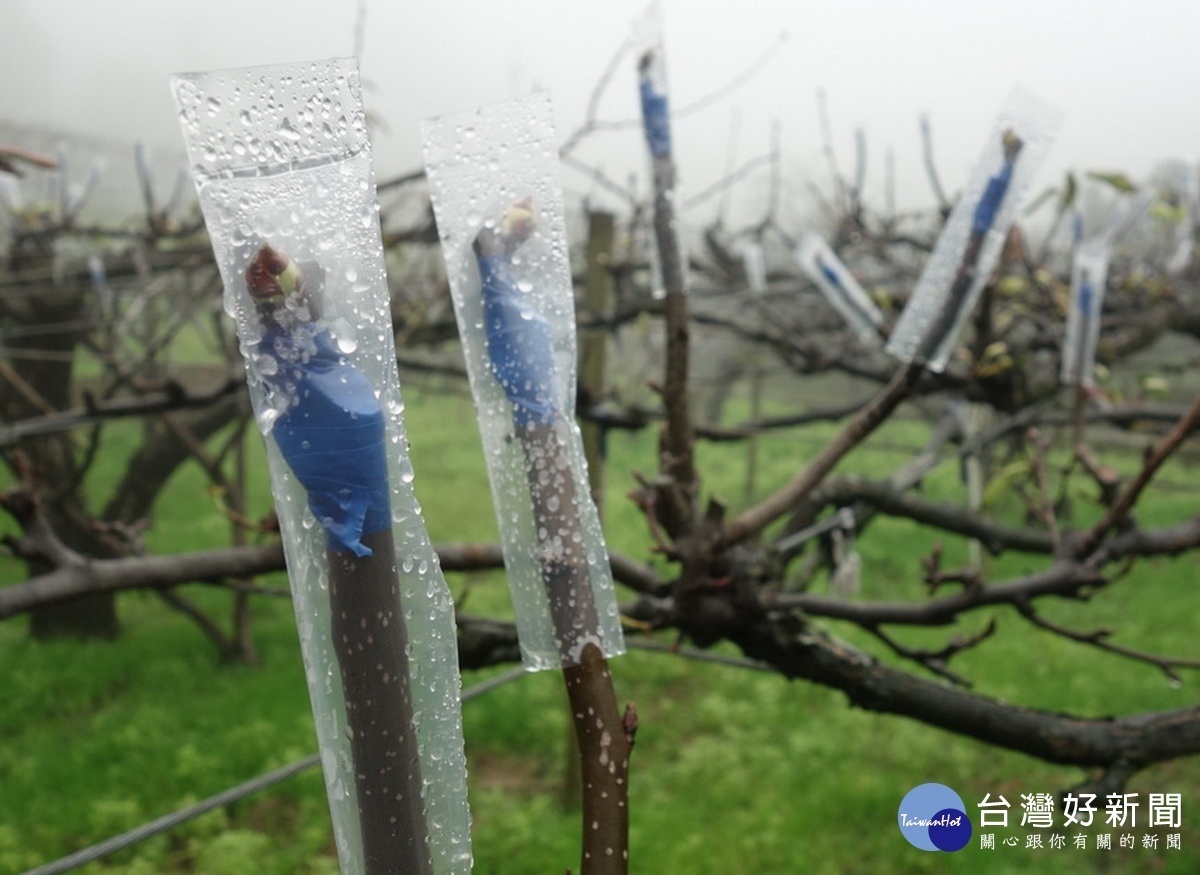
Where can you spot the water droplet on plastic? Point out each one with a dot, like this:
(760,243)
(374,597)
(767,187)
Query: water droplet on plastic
(344,336)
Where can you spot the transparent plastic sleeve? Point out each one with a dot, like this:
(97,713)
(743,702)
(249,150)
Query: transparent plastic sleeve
(754,262)
(493,176)
(1089,274)
(840,287)
(970,243)
(647,43)
(282,164)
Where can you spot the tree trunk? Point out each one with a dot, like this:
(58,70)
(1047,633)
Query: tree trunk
(40,381)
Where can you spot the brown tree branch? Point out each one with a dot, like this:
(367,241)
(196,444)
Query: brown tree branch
(1120,508)
(995,537)
(1063,579)
(69,582)
(75,575)
(1135,740)
(1099,638)
(937,661)
(753,520)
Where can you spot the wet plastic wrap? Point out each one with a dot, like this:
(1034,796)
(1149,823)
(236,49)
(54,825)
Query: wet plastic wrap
(754,263)
(282,164)
(1089,273)
(840,287)
(647,44)
(970,243)
(494,180)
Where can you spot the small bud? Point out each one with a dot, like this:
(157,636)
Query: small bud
(516,226)
(519,221)
(1011,144)
(272,274)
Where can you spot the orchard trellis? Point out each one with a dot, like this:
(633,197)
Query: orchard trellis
(735,574)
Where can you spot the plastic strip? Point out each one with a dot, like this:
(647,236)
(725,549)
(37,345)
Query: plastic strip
(969,246)
(647,44)
(494,179)
(1089,274)
(840,288)
(754,262)
(282,165)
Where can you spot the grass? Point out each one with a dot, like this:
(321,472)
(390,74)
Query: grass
(734,771)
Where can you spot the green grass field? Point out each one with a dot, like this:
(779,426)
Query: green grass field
(734,771)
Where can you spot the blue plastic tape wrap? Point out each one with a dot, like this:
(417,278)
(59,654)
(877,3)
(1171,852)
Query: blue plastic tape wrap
(1085,299)
(520,352)
(991,199)
(333,437)
(655,119)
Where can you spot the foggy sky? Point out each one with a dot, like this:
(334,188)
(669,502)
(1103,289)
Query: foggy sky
(1125,74)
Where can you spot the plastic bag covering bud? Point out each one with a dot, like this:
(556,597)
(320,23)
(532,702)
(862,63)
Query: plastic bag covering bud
(839,287)
(1089,273)
(754,262)
(493,177)
(970,243)
(282,164)
(647,44)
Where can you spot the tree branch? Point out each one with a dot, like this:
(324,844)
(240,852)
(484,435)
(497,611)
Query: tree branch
(753,520)
(1120,509)
(1064,579)
(995,537)
(1136,740)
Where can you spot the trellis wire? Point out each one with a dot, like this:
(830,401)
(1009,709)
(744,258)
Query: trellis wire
(228,797)
(148,830)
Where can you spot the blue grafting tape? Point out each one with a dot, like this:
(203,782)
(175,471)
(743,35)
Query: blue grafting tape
(655,119)
(992,198)
(520,351)
(333,437)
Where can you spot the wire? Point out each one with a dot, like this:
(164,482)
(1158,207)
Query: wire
(701,655)
(228,797)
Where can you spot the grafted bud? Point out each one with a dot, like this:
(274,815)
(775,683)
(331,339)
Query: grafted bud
(518,223)
(515,227)
(1011,144)
(272,274)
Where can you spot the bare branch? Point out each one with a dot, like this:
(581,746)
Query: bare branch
(1126,500)
(173,396)
(930,165)
(592,125)
(995,537)
(140,572)
(755,519)
(1064,579)
(1099,639)
(1136,740)
(936,660)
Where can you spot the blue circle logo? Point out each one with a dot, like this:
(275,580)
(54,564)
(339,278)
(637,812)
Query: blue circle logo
(933,818)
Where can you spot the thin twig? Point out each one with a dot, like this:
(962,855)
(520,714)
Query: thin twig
(1099,639)
(592,125)
(936,660)
(753,520)
(931,172)
(1120,509)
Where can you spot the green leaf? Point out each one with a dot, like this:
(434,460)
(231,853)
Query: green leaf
(1070,189)
(1168,212)
(1001,483)
(1118,181)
